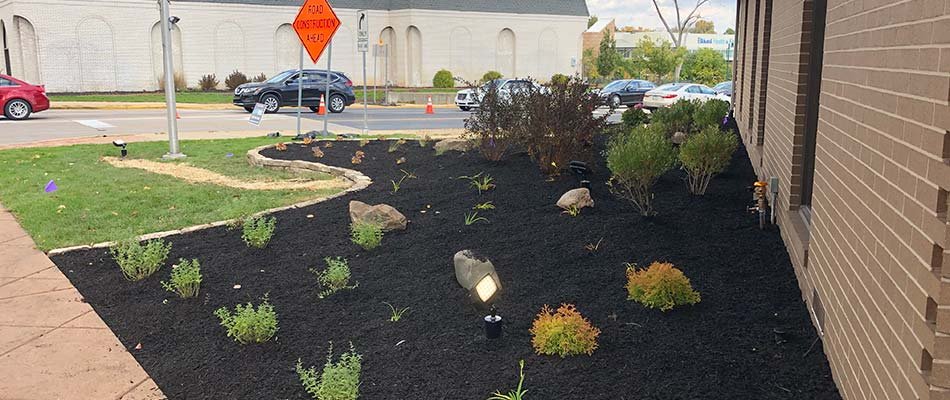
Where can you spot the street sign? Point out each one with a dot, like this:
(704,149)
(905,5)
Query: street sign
(258,114)
(315,25)
(362,31)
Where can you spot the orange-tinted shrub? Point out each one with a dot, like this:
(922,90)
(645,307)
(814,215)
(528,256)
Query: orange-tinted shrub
(564,332)
(660,286)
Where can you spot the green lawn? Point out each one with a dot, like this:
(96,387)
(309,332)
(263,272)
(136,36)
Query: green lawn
(194,97)
(97,202)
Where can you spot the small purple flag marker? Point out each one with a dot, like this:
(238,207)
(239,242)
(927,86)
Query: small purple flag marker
(229,155)
(51,187)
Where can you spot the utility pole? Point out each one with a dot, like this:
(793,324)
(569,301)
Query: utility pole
(174,151)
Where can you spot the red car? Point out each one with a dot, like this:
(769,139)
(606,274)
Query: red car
(20,99)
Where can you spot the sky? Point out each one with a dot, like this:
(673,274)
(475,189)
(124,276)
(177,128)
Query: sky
(642,13)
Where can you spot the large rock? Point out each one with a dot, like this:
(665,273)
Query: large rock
(678,138)
(383,214)
(470,268)
(445,145)
(579,198)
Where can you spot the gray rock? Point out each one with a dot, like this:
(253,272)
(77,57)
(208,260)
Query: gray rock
(579,198)
(679,138)
(470,268)
(383,214)
(445,145)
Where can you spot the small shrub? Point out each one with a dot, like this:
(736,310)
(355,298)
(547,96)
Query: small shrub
(471,218)
(443,79)
(338,381)
(260,78)
(705,155)
(494,124)
(335,278)
(636,160)
(479,182)
(180,83)
(139,261)
(208,83)
(249,325)
(237,78)
(258,231)
(634,117)
(678,117)
(185,280)
(517,394)
(559,79)
(395,314)
(564,332)
(490,76)
(660,286)
(710,113)
(366,234)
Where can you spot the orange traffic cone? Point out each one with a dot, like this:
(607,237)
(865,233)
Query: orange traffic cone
(177,114)
(323,109)
(429,109)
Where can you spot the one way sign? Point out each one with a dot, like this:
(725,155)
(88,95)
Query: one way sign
(362,33)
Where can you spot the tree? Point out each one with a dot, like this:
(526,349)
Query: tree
(659,60)
(609,60)
(703,26)
(729,31)
(706,66)
(589,64)
(591,21)
(682,26)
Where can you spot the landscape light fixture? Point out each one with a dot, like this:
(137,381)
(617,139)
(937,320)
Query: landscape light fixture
(173,19)
(123,145)
(477,275)
(582,171)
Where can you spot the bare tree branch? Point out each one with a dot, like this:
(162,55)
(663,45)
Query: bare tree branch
(665,24)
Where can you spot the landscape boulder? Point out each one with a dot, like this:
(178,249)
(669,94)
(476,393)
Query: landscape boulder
(470,267)
(579,198)
(678,138)
(385,215)
(445,145)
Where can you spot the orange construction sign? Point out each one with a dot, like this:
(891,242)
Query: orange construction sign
(315,25)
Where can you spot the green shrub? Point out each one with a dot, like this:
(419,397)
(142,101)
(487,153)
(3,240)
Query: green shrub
(564,332)
(660,286)
(443,79)
(366,234)
(258,231)
(678,117)
(208,83)
(634,117)
(490,76)
(559,79)
(710,113)
(335,278)
(705,155)
(338,381)
(139,261)
(249,325)
(185,279)
(237,78)
(636,160)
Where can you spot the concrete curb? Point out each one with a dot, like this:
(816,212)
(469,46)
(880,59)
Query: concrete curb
(255,158)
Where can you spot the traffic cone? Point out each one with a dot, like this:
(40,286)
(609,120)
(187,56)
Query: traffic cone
(429,108)
(177,114)
(322,110)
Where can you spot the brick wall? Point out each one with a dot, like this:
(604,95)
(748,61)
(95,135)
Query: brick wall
(875,248)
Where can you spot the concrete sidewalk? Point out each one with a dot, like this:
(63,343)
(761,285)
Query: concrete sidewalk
(52,344)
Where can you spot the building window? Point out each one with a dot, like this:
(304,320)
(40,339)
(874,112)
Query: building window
(812,97)
(819,312)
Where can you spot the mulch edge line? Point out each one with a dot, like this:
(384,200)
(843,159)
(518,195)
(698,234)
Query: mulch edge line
(255,158)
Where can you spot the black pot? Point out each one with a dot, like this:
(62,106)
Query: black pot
(493,326)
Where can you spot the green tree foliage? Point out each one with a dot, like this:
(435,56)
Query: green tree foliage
(703,26)
(706,66)
(657,60)
(589,64)
(591,21)
(609,61)
(729,31)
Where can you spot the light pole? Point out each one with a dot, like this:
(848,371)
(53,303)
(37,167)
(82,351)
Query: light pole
(174,151)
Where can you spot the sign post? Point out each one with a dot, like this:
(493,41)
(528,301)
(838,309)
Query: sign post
(316,23)
(362,45)
(174,151)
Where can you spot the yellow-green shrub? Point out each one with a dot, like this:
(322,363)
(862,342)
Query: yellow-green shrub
(564,332)
(705,155)
(660,286)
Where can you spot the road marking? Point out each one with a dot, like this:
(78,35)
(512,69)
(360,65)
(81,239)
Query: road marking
(94,124)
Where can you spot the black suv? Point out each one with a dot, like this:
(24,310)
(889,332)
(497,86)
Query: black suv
(281,90)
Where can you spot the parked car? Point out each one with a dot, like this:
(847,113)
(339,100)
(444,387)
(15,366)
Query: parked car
(281,90)
(467,99)
(626,92)
(724,88)
(670,93)
(20,99)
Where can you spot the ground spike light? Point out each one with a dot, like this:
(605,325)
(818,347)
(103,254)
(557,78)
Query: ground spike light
(123,145)
(477,275)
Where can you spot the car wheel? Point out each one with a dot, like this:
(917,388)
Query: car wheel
(615,101)
(464,108)
(337,104)
(271,103)
(17,109)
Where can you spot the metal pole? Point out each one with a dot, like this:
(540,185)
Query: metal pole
(365,108)
(386,97)
(375,75)
(174,151)
(326,116)
(300,92)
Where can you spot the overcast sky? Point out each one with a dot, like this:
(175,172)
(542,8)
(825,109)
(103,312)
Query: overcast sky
(642,13)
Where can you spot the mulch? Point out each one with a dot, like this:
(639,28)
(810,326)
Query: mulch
(725,347)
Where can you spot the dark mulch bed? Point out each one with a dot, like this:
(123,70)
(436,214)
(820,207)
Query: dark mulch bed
(722,348)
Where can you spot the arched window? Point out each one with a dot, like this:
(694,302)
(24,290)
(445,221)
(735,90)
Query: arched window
(505,53)
(414,56)
(388,58)
(229,50)
(158,55)
(460,53)
(25,58)
(287,45)
(97,64)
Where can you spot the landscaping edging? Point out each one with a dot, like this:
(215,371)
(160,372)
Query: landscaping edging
(358,182)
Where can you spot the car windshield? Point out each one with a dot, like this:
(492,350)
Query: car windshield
(723,86)
(496,82)
(283,76)
(671,87)
(615,85)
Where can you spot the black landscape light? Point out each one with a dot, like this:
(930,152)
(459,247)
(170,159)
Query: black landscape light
(174,20)
(123,145)
(477,275)
(582,171)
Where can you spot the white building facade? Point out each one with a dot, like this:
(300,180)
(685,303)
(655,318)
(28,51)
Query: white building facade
(115,45)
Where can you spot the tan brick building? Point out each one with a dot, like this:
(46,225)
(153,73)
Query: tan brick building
(846,104)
